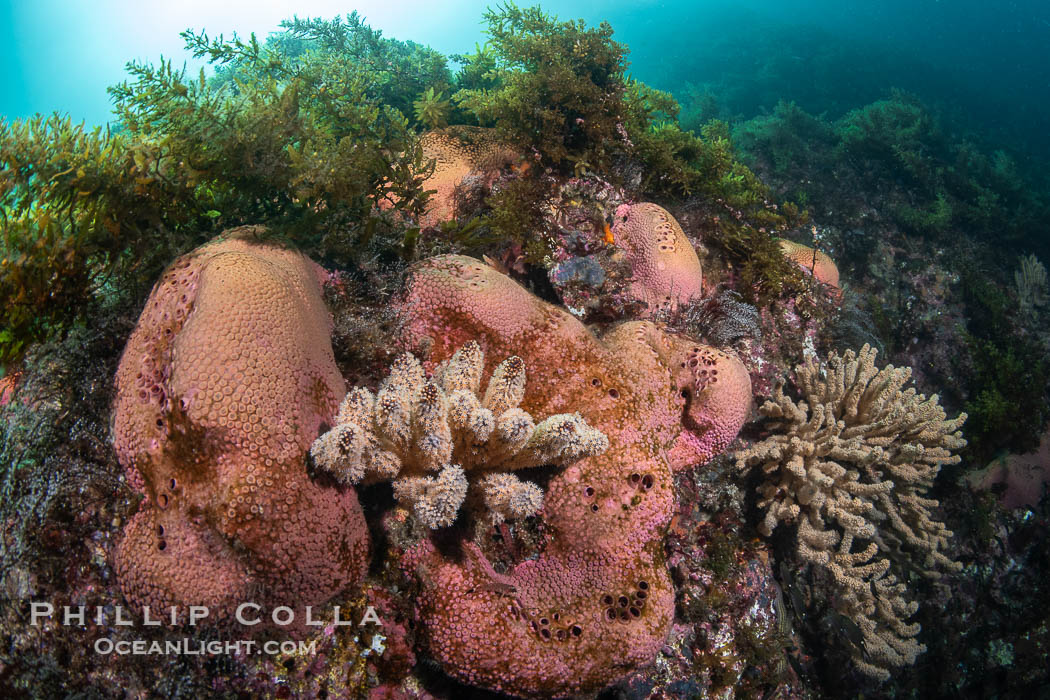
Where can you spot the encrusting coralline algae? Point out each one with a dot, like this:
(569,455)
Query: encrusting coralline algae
(221,389)
(618,412)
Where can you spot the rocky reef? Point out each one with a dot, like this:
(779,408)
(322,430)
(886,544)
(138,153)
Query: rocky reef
(538,394)
(598,601)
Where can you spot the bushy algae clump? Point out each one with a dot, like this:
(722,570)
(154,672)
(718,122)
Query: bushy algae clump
(299,133)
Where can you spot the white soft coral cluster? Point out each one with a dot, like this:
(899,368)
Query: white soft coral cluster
(428,435)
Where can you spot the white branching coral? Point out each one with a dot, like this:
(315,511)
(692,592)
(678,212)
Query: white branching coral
(436,437)
(850,463)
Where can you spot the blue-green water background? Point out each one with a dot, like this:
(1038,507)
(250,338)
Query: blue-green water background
(989,62)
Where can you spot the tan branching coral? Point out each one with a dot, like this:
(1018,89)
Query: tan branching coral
(427,435)
(1031,285)
(850,463)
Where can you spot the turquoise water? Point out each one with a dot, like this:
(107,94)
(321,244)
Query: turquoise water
(991,60)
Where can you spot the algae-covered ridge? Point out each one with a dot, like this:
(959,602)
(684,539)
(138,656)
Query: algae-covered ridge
(307,133)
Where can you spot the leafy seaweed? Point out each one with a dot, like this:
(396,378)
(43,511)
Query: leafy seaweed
(305,133)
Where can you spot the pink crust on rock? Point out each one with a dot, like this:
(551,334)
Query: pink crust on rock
(8,387)
(458,152)
(1023,476)
(598,602)
(717,389)
(664,264)
(223,386)
(813,261)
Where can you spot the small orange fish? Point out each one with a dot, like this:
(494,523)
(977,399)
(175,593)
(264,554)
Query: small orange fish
(608,234)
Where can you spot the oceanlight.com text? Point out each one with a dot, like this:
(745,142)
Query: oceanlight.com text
(194,647)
